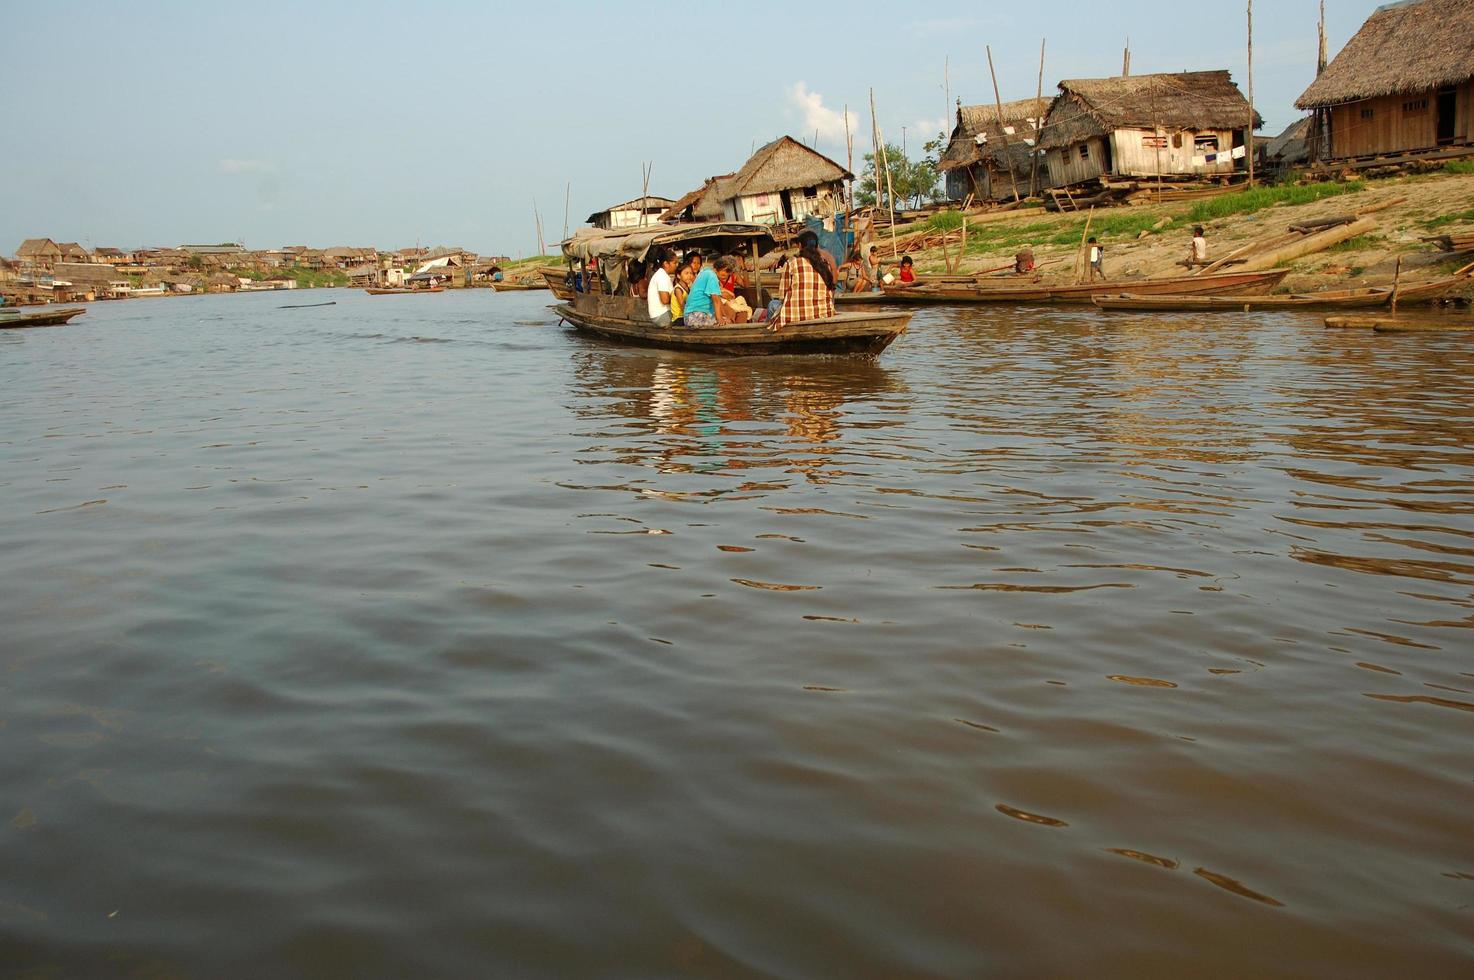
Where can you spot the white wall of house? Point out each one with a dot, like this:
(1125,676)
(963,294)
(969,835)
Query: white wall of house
(767,209)
(1147,152)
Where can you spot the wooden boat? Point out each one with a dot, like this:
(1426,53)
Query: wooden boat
(39,318)
(400,290)
(1399,324)
(624,319)
(509,286)
(1331,299)
(557,280)
(1238,283)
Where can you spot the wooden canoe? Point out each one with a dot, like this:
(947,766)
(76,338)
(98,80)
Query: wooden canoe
(400,290)
(40,318)
(1399,324)
(1331,299)
(510,287)
(556,280)
(610,317)
(1238,283)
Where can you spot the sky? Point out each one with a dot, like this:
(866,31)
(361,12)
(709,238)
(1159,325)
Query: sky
(446,123)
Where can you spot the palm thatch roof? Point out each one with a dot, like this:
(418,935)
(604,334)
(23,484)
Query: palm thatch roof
(1404,47)
(86,272)
(1187,101)
(782,165)
(37,246)
(1291,145)
(964,149)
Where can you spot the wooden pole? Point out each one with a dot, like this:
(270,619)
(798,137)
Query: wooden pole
(1079,271)
(567,194)
(1126,59)
(1002,130)
(1249,133)
(1396,281)
(538,222)
(849,148)
(1034,187)
(890,193)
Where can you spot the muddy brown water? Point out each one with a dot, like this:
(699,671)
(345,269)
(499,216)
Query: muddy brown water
(422,637)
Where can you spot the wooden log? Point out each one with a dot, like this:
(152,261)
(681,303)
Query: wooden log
(1322,224)
(1382,206)
(1308,245)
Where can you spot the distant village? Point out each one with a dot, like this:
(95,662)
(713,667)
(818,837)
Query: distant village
(47,271)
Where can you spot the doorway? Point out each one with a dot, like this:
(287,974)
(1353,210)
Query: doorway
(1448,103)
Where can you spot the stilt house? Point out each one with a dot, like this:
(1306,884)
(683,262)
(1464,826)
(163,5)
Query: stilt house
(1404,82)
(630,214)
(1183,125)
(975,162)
(782,181)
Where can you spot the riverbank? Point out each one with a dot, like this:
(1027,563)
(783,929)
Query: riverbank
(1152,240)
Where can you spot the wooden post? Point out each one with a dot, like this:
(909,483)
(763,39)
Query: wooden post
(890,193)
(1126,59)
(1034,187)
(1249,133)
(538,222)
(1002,131)
(1396,281)
(567,193)
(1080,255)
(757,278)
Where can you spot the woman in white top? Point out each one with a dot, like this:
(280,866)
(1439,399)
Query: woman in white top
(657,295)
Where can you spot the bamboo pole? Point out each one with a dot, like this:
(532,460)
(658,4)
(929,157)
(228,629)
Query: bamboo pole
(1080,272)
(1396,282)
(567,194)
(890,193)
(538,222)
(1249,133)
(1002,124)
(849,147)
(1034,187)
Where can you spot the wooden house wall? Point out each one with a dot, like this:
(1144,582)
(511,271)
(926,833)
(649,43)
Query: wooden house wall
(1067,167)
(1395,123)
(1135,154)
(768,208)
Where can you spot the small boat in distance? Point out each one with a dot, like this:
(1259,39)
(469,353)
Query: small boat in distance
(400,290)
(39,318)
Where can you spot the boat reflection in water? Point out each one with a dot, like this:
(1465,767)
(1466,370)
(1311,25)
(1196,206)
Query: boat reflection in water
(724,418)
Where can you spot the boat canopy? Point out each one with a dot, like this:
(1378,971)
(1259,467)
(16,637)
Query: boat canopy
(615,249)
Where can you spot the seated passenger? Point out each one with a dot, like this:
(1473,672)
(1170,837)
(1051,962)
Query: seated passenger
(908,271)
(852,273)
(807,286)
(682,288)
(660,289)
(1023,261)
(705,306)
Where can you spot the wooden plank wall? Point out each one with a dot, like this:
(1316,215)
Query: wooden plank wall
(1396,122)
(1066,167)
(1137,156)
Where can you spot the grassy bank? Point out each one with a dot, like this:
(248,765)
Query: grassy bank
(305,278)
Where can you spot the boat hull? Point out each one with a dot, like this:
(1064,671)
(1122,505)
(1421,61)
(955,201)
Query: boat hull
(847,333)
(401,292)
(1240,283)
(40,318)
(1346,299)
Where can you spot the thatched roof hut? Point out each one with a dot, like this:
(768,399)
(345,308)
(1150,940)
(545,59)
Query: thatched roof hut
(975,160)
(1404,82)
(630,214)
(1183,101)
(1403,47)
(784,180)
(1166,124)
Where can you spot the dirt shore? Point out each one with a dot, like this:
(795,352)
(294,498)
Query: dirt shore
(1154,239)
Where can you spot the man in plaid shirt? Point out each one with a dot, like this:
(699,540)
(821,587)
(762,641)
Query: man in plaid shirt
(807,285)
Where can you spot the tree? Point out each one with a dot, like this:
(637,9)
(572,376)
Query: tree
(913,181)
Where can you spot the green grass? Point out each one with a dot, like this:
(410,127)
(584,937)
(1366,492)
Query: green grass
(1457,217)
(1253,199)
(1459,167)
(944,221)
(1356,244)
(305,278)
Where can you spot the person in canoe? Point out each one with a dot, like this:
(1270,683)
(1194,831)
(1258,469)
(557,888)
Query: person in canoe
(906,273)
(807,286)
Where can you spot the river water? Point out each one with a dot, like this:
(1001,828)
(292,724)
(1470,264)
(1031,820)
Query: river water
(419,636)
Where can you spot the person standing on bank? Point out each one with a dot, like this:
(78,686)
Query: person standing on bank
(658,293)
(1097,259)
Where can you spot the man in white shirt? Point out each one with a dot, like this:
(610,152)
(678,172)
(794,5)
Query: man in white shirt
(657,296)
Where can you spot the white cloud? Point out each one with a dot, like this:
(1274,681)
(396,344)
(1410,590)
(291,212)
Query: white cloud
(929,128)
(242,166)
(817,116)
